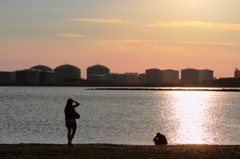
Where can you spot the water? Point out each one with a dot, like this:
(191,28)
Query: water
(35,115)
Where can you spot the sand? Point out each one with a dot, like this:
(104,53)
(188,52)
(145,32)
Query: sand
(118,151)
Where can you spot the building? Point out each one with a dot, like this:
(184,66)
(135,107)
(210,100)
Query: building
(46,73)
(171,77)
(123,79)
(142,78)
(97,69)
(28,76)
(42,68)
(112,78)
(227,82)
(67,72)
(237,73)
(206,77)
(96,79)
(154,76)
(5,77)
(190,76)
(132,78)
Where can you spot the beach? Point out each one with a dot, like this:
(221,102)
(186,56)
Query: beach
(105,151)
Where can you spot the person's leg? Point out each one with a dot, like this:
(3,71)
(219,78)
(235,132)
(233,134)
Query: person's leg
(68,125)
(69,134)
(72,134)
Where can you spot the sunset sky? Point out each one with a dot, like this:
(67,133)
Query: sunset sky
(123,35)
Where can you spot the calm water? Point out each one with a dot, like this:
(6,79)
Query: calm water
(35,115)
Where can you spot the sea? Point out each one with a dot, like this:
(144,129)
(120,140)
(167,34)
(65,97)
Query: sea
(120,116)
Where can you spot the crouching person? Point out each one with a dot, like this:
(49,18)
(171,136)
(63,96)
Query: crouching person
(160,139)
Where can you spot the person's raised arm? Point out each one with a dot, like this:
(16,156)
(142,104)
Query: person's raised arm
(77,104)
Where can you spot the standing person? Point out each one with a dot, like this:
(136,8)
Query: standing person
(160,139)
(70,119)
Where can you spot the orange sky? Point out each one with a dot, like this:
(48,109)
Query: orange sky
(125,36)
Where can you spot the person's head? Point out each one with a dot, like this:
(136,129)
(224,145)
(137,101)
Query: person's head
(158,134)
(69,102)
(68,108)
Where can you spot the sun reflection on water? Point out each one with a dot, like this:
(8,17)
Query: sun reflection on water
(189,113)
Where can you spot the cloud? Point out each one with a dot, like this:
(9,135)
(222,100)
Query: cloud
(117,21)
(150,43)
(204,25)
(133,43)
(70,35)
(177,44)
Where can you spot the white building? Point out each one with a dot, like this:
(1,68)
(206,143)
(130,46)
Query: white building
(97,69)
(103,78)
(66,71)
(94,78)
(42,68)
(28,76)
(237,73)
(154,76)
(171,76)
(189,76)
(142,78)
(205,75)
(123,79)
(49,76)
(112,78)
(132,78)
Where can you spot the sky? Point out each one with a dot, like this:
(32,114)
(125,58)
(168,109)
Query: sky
(123,35)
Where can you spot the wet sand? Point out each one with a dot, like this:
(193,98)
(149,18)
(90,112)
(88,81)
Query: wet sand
(118,151)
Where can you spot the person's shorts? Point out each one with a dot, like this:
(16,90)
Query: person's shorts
(71,125)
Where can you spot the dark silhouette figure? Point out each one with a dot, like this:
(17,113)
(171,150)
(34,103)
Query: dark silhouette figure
(160,139)
(70,119)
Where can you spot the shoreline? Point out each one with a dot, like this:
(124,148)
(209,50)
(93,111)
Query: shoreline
(168,89)
(105,150)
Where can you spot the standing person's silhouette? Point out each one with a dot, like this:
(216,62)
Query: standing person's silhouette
(70,119)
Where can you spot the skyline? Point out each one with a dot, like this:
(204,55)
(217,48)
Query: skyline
(123,35)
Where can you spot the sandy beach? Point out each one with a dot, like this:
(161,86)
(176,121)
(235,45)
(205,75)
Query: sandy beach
(118,151)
